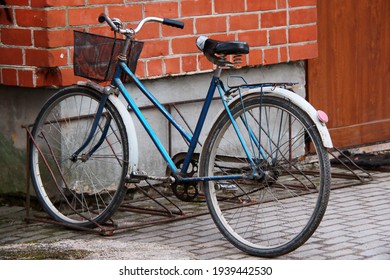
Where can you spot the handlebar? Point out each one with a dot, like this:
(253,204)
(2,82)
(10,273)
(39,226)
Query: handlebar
(170,22)
(173,23)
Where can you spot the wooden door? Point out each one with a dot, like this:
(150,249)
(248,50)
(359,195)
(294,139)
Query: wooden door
(350,79)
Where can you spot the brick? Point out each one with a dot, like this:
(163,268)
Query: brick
(244,22)
(303,16)
(46,58)
(281,4)
(255,57)
(48,76)
(162,9)
(154,67)
(93,2)
(53,38)
(149,31)
(297,3)
(7,17)
(189,63)
(299,52)
(126,12)
(302,34)
(26,78)
(40,18)
(141,69)
(168,31)
(172,65)
(195,7)
(16,36)
(223,37)
(184,45)
(254,38)
(204,63)
(9,76)
(283,51)
(11,56)
(155,48)
(101,30)
(229,6)
(83,16)
(273,19)
(68,77)
(256,5)
(277,36)
(56,3)
(17,2)
(271,56)
(211,25)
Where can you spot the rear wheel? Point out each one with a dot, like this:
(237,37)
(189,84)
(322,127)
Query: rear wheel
(87,188)
(275,214)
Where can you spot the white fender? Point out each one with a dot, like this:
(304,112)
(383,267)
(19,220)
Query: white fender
(130,131)
(301,103)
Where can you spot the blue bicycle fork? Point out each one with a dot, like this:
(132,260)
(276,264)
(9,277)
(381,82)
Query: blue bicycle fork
(95,124)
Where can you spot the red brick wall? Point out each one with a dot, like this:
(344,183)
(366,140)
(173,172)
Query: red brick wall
(36,35)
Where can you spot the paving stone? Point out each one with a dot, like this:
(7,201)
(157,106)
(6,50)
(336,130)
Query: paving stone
(356,225)
(340,247)
(339,253)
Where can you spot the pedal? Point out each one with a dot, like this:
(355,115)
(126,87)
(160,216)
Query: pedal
(136,176)
(227,187)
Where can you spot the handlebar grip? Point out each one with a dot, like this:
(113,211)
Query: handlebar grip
(173,23)
(102,17)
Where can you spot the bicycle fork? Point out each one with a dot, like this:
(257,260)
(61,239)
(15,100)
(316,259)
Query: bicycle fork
(85,156)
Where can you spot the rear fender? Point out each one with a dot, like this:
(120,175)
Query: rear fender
(301,103)
(298,101)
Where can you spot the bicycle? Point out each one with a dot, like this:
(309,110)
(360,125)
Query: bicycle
(263,168)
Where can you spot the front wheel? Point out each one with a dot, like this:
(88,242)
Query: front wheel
(275,214)
(78,176)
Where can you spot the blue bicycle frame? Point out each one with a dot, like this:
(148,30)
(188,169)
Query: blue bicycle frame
(192,139)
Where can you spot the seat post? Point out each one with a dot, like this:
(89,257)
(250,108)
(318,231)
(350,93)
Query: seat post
(217,72)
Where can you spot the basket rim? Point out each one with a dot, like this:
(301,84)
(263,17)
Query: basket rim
(104,36)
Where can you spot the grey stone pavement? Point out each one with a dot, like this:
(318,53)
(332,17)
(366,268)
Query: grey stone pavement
(356,226)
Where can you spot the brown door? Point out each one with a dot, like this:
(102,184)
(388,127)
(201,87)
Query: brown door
(350,79)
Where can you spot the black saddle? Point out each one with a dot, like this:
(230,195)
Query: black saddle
(216,50)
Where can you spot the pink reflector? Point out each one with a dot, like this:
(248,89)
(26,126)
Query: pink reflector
(322,116)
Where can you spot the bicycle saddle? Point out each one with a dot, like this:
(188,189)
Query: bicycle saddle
(215,50)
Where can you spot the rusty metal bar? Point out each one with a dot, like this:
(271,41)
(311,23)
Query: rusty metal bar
(27,170)
(361,178)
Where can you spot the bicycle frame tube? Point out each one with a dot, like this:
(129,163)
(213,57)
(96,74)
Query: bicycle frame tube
(193,140)
(117,82)
(236,129)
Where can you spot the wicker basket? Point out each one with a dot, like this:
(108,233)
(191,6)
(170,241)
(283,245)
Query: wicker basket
(95,56)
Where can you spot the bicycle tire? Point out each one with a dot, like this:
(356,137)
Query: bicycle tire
(274,215)
(83,191)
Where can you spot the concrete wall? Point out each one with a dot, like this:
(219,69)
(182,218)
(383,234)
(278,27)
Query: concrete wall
(19,106)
